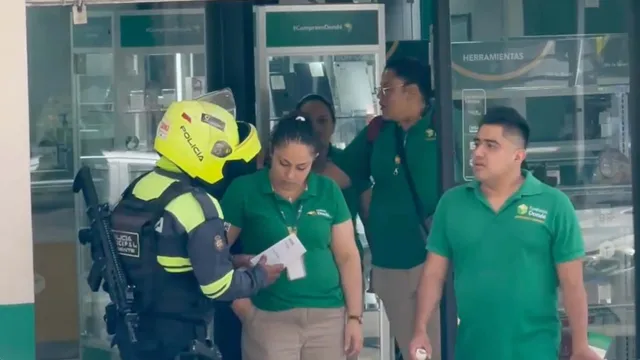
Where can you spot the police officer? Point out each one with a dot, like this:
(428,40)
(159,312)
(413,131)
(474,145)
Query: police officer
(171,232)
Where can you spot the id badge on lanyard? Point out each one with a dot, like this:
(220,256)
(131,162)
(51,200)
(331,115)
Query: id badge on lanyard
(295,269)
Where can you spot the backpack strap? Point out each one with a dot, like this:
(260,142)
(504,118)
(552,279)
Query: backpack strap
(173,191)
(179,188)
(207,204)
(129,190)
(373,131)
(417,202)
(373,128)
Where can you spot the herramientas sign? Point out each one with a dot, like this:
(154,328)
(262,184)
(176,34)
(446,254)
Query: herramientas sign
(482,65)
(322,28)
(507,56)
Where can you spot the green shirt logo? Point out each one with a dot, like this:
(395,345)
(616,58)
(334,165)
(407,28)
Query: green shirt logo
(527,212)
(522,209)
(320,212)
(430,134)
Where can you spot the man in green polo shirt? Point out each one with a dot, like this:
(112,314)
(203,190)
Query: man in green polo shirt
(393,226)
(512,241)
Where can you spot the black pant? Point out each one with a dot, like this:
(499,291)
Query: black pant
(158,339)
(227,332)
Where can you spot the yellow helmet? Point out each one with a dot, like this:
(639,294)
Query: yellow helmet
(201,136)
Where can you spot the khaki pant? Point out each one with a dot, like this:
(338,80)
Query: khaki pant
(398,291)
(297,334)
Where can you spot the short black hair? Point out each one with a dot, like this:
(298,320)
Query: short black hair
(510,119)
(319,98)
(294,127)
(412,71)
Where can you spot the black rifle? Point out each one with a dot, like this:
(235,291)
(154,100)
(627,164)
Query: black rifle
(106,267)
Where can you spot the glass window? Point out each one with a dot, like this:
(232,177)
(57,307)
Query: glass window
(564,66)
(347,81)
(96,94)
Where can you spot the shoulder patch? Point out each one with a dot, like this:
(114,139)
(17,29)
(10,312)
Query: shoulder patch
(218,242)
(159,225)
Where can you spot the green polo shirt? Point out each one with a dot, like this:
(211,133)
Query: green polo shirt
(504,266)
(352,197)
(251,205)
(393,226)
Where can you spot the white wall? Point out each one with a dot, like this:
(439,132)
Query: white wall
(16,257)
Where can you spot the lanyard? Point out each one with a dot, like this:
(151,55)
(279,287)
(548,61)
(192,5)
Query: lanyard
(291,229)
(398,159)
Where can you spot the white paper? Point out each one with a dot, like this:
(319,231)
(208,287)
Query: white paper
(296,269)
(316,69)
(285,252)
(277,82)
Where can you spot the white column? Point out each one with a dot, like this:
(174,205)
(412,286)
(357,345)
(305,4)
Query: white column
(16,257)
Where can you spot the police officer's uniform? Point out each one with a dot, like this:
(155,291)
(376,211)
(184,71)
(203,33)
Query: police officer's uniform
(170,232)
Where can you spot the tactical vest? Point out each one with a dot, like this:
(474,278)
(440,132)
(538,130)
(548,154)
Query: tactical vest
(134,222)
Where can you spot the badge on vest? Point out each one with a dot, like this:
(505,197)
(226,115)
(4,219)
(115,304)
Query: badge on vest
(128,243)
(218,242)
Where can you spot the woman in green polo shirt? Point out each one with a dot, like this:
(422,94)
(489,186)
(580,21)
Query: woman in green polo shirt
(314,310)
(322,115)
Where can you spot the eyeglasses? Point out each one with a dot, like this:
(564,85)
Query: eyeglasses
(385,90)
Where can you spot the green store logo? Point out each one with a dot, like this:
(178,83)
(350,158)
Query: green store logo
(522,209)
(528,212)
(348,27)
(174,29)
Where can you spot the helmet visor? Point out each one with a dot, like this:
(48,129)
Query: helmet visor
(223,98)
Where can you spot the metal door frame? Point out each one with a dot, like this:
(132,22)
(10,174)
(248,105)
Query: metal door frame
(634,115)
(442,85)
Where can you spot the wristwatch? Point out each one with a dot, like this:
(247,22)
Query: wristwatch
(357,318)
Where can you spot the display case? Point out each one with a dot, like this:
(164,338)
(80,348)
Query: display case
(573,92)
(128,67)
(348,81)
(337,51)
